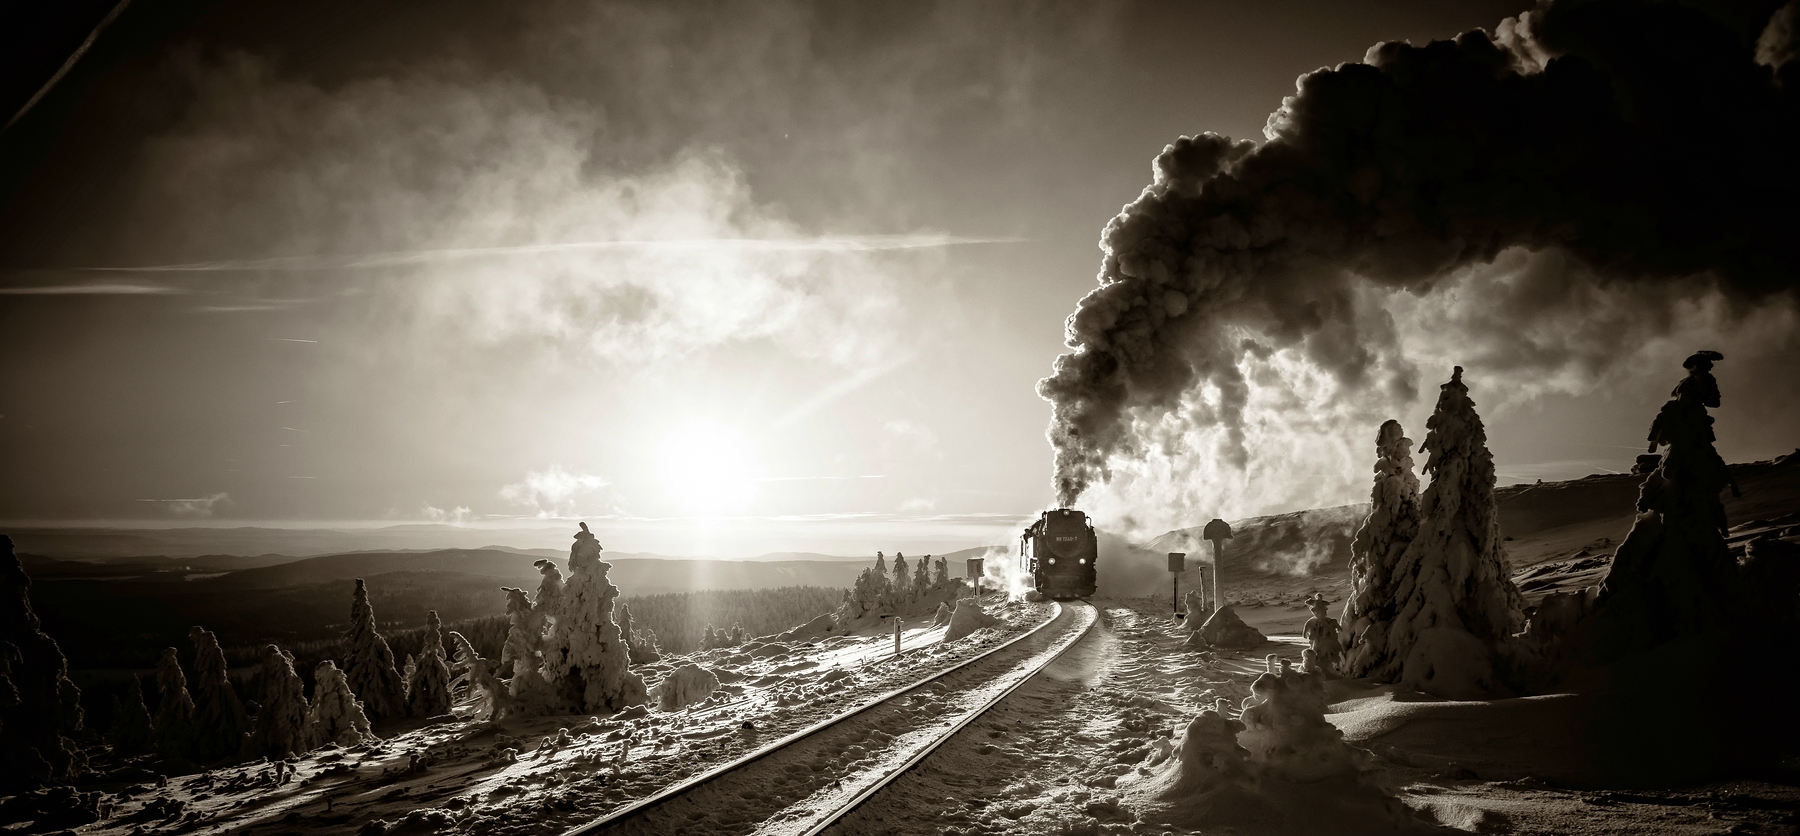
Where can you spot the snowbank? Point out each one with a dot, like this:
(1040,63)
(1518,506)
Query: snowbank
(1278,768)
(967,618)
(1225,629)
(684,686)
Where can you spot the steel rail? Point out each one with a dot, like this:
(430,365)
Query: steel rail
(894,774)
(673,791)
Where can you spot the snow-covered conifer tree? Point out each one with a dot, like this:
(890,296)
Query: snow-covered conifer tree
(219,720)
(921,579)
(640,642)
(369,662)
(901,587)
(132,732)
(1393,522)
(1455,603)
(585,663)
(280,729)
(335,715)
(428,691)
(521,656)
(174,708)
(41,709)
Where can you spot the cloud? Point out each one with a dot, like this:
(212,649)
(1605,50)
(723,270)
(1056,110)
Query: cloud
(905,439)
(458,516)
(200,507)
(554,492)
(93,289)
(918,505)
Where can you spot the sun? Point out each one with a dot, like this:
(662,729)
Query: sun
(705,468)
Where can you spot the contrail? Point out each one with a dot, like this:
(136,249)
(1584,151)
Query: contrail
(114,289)
(289,340)
(829,243)
(838,390)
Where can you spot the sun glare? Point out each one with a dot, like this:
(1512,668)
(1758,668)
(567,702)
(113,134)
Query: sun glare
(705,468)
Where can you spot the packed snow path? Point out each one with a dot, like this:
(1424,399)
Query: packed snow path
(807,779)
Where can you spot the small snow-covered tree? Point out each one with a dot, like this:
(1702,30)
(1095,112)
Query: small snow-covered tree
(739,635)
(174,708)
(40,707)
(942,576)
(280,729)
(901,586)
(132,731)
(921,580)
(428,691)
(219,720)
(335,715)
(640,643)
(369,662)
(407,672)
(521,657)
(481,679)
(585,662)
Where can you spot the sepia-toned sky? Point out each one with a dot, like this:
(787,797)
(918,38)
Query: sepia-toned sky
(780,261)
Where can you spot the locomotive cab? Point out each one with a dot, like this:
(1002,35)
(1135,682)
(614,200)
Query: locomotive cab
(1059,552)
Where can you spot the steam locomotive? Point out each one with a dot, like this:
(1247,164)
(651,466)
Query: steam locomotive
(1059,551)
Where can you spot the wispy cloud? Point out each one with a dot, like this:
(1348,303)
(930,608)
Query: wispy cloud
(93,289)
(288,340)
(816,244)
(836,391)
(196,507)
(812,478)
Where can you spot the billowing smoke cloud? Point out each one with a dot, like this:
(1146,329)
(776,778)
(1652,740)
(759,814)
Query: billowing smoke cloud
(1591,173)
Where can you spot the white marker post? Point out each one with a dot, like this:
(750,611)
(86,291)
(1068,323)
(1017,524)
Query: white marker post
(897,625)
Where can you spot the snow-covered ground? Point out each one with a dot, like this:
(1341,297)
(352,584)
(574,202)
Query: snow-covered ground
(549,774)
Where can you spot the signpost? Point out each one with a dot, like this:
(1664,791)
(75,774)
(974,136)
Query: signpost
(1177,565)
(975,574)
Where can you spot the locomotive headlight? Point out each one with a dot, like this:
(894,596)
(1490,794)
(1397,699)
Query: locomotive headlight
(1052,560)
(1081,560)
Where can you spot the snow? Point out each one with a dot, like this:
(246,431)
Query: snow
(1225,629)
(174,737)
(684,686)
(967,619)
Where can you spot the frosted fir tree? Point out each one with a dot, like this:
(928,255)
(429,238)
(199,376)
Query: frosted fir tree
(41,710)
(942,576)
(428,691)
(174,708)
(869,594)
(407,672)
(335,716)
(901,585)
(640,642)
(738,635)
(132,732)
(1455,603)
(219,720)
(708,640)
(550,589)
(369,662)
(1392,524)
(280,729)
(481,679)
(921,581)
(585,663)
(521,657)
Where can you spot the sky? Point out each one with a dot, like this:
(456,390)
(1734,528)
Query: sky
(689,271)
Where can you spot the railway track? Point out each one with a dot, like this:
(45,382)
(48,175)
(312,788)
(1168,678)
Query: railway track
(806,781)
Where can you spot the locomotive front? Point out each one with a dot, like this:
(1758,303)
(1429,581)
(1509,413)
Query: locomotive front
(1059,551)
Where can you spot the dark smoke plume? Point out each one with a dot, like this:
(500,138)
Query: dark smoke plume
(1652,143)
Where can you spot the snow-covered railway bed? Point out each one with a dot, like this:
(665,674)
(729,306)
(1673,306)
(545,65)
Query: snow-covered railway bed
(544,775)
(791,785)
(1047,758)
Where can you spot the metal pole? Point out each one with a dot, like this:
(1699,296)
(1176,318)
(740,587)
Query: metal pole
(1218,558)
(896,635)
(1175,594)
